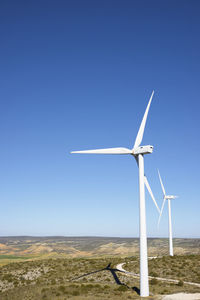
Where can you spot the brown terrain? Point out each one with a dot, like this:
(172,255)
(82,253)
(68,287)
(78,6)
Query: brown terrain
(74,247)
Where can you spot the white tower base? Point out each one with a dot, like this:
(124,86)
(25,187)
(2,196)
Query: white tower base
(144,283)
(170,229)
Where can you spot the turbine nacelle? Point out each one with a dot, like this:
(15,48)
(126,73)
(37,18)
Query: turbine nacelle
(142,150)
(169,197)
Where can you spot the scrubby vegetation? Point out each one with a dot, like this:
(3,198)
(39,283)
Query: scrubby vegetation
(179,267)
(91,279)
(64,279)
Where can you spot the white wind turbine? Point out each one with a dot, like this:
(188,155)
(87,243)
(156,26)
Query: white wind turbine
(137,151)
(169,198)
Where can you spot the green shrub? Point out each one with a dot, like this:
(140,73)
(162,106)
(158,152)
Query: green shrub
(106,286)
(8,277)
(75,293)
(180,283)
(107,279)
(61,288)
(154,281)
(122,288)
(153,274)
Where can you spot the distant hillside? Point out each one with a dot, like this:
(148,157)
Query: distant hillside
(90,246)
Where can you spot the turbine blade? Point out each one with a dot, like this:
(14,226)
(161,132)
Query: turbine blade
(162,186)
(161,211)
(106,151)
(139,137)
(148,187)
(151,193)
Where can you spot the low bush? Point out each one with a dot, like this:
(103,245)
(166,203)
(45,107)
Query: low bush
(122,288)
(154,281)
(180,283)
(75,293)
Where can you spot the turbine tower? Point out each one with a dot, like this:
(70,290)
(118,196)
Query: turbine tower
(169,198)
(138,153)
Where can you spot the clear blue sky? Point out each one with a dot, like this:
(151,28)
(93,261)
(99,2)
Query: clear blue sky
(78,75)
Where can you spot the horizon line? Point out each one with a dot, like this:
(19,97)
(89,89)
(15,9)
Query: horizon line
(89,236)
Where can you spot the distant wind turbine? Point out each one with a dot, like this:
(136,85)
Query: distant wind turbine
(169,198)
(137,151)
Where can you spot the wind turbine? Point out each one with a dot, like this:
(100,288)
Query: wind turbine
(137,152)
(169,198)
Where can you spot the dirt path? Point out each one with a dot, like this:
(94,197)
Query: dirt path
(120,267)
(182,296)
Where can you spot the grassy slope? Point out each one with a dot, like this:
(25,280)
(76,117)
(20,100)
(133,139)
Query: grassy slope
(58,278)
